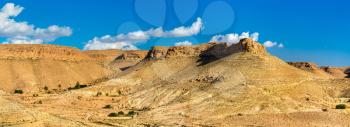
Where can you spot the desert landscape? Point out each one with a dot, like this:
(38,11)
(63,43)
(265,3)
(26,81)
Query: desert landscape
(211,84)
(174,63)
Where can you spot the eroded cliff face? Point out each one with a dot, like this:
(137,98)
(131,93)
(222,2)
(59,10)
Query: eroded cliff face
(104,55)
(132,55)
(212,49)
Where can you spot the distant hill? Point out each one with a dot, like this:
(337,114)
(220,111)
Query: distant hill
(32,67)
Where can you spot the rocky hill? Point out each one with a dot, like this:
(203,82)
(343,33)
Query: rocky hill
(214,84)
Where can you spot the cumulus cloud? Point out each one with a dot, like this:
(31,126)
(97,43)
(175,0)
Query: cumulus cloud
(128,41)
(23,33)
(280,45)
(270,44)
(184,43)
(234,37)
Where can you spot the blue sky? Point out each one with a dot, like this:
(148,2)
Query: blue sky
(312,30)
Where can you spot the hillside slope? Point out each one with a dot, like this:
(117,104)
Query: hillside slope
(214,84)
(32,67)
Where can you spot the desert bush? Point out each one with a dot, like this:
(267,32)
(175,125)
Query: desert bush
(108,107)
(113,114)
(98,94)
(340,106)
(46,88)
(131,113)
(120,113)
(77,86)
(18,91)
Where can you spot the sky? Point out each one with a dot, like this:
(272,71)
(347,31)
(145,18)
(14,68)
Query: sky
(313,30)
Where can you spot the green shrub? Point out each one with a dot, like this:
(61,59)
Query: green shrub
(98,94)
(18,91)
(108,107)
(77,86)
(131,113)
(113,114)
(46,88)
(120,113)
(340,106)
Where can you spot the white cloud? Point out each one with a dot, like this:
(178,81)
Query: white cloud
(184,43)
(234,38)
(130,39)
(270,44)
(98,44)
(280,45)
(24,33)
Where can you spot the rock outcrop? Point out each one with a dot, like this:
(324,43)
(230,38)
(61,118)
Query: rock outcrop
(339,72)
(132,55)
(104,55)
(212,50)
(248,45)
(324,71)
(308,66)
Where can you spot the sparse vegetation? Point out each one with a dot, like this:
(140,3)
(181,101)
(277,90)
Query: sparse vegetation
(122,114)
(77,86)
(120,92)
(108,107)
(46,88)
(340,106)
(38,102)
(113,114)
(18,91)
(131,113)
(98,94)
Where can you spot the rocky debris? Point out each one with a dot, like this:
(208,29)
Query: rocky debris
(308,66)
(211,50)
(132,55)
